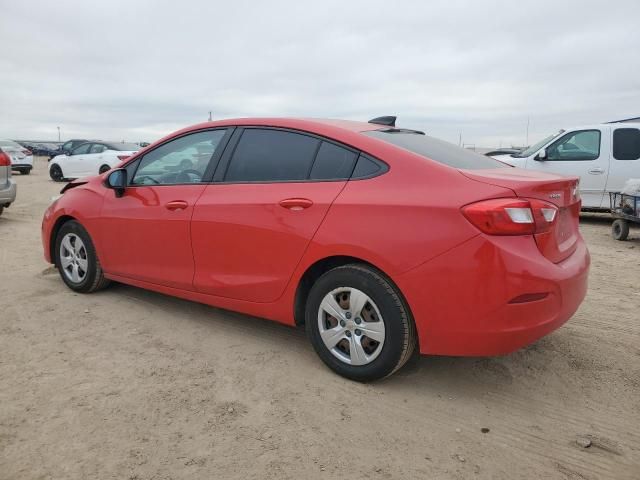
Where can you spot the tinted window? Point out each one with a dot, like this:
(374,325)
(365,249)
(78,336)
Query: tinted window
(582,145)
(183,160)
(626,144)
(332,162)
(438,150)
(82,149)
(271,155)
(97,148)
(366,167)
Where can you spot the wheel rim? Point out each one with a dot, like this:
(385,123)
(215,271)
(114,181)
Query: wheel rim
(351,326)
(73,258)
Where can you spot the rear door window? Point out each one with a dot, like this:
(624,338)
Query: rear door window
(268,155)
(626,144)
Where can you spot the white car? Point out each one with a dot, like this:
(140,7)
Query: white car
(604,156)
(90,158)
(21,158)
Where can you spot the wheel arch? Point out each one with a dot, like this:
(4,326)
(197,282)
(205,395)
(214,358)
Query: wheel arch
(317,269)
(54,233)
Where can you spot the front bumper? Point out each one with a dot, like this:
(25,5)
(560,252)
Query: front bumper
(8,192)
(462,300)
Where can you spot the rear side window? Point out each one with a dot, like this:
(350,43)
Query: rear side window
(626,144)
(332,163)
(437,150)
(264,155)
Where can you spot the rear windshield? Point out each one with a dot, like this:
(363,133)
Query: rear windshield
(438,150)
(123,147)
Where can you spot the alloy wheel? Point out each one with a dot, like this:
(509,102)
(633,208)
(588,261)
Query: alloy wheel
(73,258)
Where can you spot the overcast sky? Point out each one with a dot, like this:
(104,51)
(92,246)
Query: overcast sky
(137,70)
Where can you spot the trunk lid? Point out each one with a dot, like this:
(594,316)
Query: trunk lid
(561,240)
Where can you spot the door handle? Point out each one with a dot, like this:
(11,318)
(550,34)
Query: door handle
(296,204)
(176,205)
(596,171)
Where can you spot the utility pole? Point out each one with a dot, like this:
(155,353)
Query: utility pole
(527,142)
(460,140)
(58,133)
(210,116)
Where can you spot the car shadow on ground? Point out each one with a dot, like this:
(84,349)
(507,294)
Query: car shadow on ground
(459,376)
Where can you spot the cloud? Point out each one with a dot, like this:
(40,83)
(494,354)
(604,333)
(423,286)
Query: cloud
(138,70)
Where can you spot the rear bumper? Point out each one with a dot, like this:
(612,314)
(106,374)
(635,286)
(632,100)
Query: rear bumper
(8,192)
(21,166)
(461,301)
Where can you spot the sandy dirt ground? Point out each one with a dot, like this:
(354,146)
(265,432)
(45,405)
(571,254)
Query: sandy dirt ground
(129,384)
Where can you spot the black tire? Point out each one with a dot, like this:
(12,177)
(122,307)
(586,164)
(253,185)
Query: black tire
(104,168)
(25,171)
(620,229)
(1,210)
(400,335)
(94,279)
(55,172)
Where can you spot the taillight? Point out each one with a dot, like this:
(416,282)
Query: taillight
(5,161)
(123,157)
(511,216)
(27,152)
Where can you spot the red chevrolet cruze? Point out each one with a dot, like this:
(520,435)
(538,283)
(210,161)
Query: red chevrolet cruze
(380,240)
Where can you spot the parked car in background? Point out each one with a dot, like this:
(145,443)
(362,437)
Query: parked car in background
(90,158)
(49,150)
(380,240)
(70,145)
(7,185)
(604,156)
(21,157)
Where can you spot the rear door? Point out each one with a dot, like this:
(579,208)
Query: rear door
(270,194)
(625,162)
(580,153)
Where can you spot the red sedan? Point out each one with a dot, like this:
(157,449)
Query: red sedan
(380,240)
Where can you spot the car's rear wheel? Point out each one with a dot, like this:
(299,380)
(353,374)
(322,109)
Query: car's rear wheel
(25,171)
(55,172)
(358,324)
(76,259)
(104,168)
(1,210)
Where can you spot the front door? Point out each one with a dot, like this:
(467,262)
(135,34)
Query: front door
(147,231)
(251,228)
(581,153)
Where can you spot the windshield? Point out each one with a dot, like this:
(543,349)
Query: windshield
(537,146)
(438,150)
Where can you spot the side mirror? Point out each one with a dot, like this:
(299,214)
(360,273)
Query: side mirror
(542,155)
(117,181)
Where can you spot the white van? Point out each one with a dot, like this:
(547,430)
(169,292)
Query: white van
(603,156)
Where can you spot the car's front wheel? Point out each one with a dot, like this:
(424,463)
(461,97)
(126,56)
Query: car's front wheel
(55,172)
(358,324)
(76,259)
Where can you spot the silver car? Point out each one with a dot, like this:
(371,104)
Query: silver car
(21,158)
(7,185)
